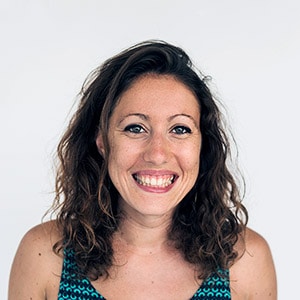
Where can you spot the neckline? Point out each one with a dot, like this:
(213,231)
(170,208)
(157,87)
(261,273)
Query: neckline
(218,282)
(203,286)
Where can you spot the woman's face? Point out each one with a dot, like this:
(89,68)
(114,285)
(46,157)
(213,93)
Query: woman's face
(155,141)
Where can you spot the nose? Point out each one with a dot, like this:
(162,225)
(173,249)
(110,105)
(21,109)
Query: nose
(157,150)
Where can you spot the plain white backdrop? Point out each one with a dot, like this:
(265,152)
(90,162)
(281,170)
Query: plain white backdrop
(249,48)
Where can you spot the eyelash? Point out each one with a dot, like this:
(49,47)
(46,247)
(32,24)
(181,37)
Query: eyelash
(132,129)
(137,129)
(183,130)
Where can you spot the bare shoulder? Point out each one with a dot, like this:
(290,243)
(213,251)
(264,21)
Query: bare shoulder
(36,268)
(253,275)
(39,240)
(256,244)
(41,235)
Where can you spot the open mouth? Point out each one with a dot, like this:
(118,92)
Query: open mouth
(161,181)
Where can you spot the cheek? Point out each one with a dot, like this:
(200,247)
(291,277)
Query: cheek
(122,157)
(190,156)
(121,161)
(193,166)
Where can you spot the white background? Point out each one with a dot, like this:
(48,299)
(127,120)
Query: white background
(251,50)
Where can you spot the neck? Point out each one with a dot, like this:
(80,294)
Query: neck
(144,233)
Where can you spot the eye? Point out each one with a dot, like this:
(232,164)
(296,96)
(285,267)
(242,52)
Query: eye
(181,130)
(134,128)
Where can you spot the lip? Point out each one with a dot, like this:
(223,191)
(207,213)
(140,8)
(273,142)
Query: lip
(157,181)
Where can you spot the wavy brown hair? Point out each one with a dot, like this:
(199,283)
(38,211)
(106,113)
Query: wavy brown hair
(206,224)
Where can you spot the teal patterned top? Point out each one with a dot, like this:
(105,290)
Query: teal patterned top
(72,287)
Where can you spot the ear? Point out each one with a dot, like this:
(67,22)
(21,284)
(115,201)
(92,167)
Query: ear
(100,144)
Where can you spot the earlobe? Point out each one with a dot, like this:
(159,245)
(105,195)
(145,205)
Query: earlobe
(100,145)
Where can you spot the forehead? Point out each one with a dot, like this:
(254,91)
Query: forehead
(158,94)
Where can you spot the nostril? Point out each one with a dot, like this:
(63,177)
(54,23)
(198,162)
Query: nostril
(157,151)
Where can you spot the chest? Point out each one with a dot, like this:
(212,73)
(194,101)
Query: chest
(151,277)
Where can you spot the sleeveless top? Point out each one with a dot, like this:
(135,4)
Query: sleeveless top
(72,287)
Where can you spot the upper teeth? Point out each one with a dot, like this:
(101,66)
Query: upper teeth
(155,181)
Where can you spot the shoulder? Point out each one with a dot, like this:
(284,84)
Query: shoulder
(42,234)
(39,240)
(35,266)
(256,244)
(254,272)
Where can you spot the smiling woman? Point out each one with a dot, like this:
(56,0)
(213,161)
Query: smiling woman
(156,124)
(146,205)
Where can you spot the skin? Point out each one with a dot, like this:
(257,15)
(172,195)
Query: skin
(156,127)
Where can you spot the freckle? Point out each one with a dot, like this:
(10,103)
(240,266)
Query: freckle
(152,281)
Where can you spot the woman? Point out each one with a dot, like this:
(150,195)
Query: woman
(146,205)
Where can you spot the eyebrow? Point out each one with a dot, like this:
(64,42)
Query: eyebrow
(182,115)
(142,116)
(145,117)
